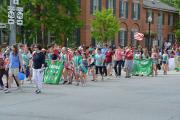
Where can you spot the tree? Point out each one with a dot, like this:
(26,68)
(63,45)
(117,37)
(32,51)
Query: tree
(105,26)
(59,17)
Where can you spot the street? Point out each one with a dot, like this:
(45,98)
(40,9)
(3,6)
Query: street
(137,98)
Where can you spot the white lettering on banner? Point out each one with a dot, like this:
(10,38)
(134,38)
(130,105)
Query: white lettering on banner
(16,2)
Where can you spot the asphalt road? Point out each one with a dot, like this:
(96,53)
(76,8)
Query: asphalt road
(137,98)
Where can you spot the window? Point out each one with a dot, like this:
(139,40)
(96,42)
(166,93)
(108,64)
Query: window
(95,6)
(149,13)
(170,20)
(123,38)
(111,4)
(171,37)
(123,9)
(133,41)
(135,11)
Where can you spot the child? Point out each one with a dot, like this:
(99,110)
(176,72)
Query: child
(165,62)
(154,57)
(83,69)
(77,61)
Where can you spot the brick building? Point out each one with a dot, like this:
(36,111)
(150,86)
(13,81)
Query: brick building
(133,17)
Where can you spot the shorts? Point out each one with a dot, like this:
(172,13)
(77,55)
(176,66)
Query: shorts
(129,64)
(76,70)
(164,62)
(92,65)
(13,71)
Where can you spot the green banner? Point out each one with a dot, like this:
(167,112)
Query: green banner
(142,67)
(177,62)
(53,72)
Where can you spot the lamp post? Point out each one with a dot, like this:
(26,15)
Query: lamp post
(12,36)
(149,36)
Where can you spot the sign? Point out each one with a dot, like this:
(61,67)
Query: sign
(19,16)
(3,25)
(15,13)
(16,2)
(11,15)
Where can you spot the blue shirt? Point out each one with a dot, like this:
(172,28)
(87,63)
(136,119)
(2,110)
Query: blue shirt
(14,61)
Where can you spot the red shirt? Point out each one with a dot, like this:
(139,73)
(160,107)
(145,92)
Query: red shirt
(108,56)
(129,55)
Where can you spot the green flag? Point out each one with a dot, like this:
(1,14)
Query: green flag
(53,72)
(142,67)
(177,62)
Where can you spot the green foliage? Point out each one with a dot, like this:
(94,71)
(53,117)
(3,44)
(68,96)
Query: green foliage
(105,26)
(57,16)
(174,3)
(178,36)
(3,11)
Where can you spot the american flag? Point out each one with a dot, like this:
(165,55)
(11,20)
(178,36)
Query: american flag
(138,36)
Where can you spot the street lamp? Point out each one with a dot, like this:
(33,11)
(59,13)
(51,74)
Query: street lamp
(149,36)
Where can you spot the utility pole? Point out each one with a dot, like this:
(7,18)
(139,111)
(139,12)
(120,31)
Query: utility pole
(12,36)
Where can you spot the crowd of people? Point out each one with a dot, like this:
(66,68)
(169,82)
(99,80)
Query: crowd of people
(78,63)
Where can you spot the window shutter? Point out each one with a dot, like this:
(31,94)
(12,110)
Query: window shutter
(114,6)
(152,17)
(100,5)
(132,39)
(91,6)
(126,39)
(119,37)
(132,14)
(127,9)
(139,11)
(120,9)
(168,19)
(163,16)
(147,15)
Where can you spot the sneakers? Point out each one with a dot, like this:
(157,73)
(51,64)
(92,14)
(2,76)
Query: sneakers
(65,82)
(6,90)
(127,76)
(1,87)
(38,91)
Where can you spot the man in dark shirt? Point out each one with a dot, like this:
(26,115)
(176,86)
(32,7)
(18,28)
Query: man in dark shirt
(38,68)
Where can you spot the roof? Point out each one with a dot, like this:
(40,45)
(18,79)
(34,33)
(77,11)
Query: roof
(155,4)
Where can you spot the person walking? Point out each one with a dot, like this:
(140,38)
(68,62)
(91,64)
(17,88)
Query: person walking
(154,57)
(118,55)
(108,61)
(76,62)
(128,61)
(99,60)
(165,60)
(83,69)
(2,69)
(38,60)
(15,65)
